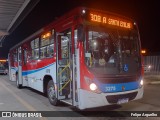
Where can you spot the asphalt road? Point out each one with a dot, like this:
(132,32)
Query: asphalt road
(26,99)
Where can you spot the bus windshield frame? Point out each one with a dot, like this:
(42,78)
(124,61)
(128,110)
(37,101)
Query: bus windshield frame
(107,50)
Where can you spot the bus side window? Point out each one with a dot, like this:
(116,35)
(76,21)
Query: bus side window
(51,46)
(64,47)
(51,49)
(32,49)
(15,57)
(64,51)
(25,56)
(47,44)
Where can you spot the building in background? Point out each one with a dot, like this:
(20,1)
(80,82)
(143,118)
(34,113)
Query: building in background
(152,63)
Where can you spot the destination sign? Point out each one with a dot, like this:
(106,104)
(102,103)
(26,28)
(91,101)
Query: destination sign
(110,20)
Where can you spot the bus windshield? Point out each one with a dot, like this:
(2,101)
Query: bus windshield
(112,51)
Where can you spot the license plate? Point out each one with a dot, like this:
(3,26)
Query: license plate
(124,100)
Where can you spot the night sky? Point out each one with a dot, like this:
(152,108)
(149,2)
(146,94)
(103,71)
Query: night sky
(144,12)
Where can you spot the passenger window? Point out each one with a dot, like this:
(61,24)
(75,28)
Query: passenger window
(64,50)
(35,48)
(47,45)
(25,57)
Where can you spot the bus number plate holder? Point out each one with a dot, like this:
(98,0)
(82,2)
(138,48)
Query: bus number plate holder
(121,101)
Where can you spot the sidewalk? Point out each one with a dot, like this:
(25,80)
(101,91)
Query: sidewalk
(151,79)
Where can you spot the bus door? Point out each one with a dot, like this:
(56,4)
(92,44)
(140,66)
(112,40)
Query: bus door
(75,68)
(64,67)
(19,73)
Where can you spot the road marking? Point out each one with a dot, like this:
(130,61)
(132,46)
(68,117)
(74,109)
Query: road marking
(1,103)
(22,101)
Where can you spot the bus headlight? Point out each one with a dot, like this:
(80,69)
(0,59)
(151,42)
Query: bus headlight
(93,86)
(141,83)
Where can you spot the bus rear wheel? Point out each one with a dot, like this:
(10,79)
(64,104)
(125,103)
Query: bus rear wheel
(17,82)
(51,93)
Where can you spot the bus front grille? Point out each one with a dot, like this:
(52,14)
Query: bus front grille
(115,98)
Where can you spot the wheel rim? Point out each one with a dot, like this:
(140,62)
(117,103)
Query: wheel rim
(51,93)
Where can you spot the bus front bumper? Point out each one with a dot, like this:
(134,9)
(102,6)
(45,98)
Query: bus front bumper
(88,99)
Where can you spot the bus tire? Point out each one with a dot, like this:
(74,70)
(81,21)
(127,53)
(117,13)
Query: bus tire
(51,93)
(19,86)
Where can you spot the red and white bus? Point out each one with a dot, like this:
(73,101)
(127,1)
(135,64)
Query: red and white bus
(86,58)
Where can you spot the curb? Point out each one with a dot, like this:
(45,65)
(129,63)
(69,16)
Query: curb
(154,82)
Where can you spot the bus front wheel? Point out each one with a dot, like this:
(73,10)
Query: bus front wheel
(51,93)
